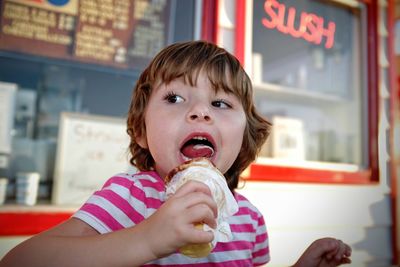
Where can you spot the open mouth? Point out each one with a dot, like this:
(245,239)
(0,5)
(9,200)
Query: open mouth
(198,146)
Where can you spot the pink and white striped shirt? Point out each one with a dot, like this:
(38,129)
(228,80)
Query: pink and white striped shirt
(125,200)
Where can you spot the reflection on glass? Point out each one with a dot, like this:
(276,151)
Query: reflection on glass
(309,57)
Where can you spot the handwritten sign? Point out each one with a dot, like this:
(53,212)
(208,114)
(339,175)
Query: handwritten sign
(8,93)
(90,150)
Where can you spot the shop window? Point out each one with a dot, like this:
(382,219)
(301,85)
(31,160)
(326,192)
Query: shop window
(309,65)
(79,57)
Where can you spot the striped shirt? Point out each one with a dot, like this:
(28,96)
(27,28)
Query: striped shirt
(125,200)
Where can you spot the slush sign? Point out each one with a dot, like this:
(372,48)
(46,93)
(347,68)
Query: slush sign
(310,27)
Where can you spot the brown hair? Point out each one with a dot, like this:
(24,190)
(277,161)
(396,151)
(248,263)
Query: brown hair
(186,60)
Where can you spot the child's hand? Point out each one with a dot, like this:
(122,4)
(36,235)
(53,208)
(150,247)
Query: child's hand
(172,225)
(325,252)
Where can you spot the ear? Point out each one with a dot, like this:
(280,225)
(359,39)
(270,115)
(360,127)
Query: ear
(142,141)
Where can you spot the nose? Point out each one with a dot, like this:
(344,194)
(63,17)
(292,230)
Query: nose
(199,113)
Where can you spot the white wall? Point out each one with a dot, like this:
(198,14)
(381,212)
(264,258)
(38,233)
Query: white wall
(8,242)
(297,214)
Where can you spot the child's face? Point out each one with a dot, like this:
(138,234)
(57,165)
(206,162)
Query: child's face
(179,117)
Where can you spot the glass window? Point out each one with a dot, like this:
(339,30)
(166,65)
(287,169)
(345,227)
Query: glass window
(81,57)
(309,59)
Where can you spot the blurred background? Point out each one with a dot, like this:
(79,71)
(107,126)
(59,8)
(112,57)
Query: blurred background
(326,73)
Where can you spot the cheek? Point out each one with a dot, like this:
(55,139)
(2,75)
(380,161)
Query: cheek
(151,133)
(241,125)
(239,139)
(241,132)
(160,136)
(236,132)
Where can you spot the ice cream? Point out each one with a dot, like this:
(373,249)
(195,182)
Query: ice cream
(201,169)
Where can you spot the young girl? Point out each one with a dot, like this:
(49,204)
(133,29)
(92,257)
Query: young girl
(193,100)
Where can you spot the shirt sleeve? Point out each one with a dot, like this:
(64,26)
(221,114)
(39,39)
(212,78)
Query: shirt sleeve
(261,247)
(119,204)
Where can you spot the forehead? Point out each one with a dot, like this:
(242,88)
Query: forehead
(218,83)
(186,61)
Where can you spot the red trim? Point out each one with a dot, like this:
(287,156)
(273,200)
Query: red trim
(216,25)
(393,86)
(373,92)
(209,23)
(261,172)
(240,30)
(293,174)
(29,223)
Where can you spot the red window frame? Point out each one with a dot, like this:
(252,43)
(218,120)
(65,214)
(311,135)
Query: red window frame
(29,222)
(261,172)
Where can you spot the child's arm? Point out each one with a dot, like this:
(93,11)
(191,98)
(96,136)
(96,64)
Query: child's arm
(325,252)
(74,243)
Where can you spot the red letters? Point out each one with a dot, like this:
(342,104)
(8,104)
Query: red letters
(310,27)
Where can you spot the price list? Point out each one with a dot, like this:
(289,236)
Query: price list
(149,35)
(117,33)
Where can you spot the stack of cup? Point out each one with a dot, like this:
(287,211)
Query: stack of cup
(3,190)
(27,187)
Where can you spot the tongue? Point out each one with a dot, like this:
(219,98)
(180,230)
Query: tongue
(196,151)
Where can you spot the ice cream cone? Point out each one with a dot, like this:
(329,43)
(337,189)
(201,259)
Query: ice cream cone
(201,169)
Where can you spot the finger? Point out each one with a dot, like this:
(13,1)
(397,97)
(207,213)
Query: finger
(198,235)
(345,261)
(202,213)
(332,247)
(345,258)
(340,251)
(194,219)
(193,186)
(199,198)
(347,251)
(195,207)
(326,247)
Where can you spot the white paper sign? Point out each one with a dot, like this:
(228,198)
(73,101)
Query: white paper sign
(90,150)
(8,93)
(286,140)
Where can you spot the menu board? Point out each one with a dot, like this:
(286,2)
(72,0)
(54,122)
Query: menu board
(118,33)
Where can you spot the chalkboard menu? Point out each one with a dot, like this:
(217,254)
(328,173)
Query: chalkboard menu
(118,33)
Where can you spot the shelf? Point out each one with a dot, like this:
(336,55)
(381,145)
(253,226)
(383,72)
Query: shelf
(297,95)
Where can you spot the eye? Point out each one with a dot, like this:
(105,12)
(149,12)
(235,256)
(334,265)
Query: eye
(220,103)
(173,98)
